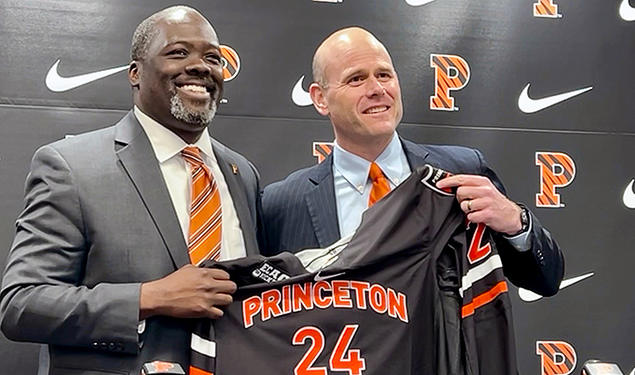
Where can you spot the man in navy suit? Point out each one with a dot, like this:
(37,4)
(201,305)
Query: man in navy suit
(356,86)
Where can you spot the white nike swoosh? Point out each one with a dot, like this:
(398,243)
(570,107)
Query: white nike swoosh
(57,83)
(627,12)
(319,277)
(529,296)
(299,96)
(529,105)
(629,195)
(418,3)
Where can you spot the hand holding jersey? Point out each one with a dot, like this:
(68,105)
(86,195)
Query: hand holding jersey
(484,203)
(189,292)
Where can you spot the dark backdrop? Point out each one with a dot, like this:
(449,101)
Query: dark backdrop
(506,45)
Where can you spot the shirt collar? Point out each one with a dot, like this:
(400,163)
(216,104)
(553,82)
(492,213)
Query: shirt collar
(392,161)
(355,168)
(165,143)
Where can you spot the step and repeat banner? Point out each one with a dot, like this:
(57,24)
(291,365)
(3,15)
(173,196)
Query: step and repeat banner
(545,88)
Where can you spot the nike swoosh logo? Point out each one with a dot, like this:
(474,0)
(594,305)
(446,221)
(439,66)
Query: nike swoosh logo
(529,296)
(529,105)
(627,12)
(629,195)
(418,3)
(299,96)
(57,83)
(319,277)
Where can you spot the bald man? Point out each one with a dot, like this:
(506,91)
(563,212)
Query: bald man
(100,268)
(357,88)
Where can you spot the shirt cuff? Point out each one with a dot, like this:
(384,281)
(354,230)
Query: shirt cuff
(521,241)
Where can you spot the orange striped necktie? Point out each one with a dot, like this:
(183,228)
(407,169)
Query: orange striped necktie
(380,187)
(206,217)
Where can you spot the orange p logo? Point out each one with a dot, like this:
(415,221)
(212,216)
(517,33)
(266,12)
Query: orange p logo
(556,170)
(451,73)
(546,8)
(556,357)
(231,62)
(321,150)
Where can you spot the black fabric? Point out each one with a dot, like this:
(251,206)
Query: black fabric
(411,247)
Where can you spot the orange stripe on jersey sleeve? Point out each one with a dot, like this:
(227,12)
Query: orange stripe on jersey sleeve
(198,371)
(483,299)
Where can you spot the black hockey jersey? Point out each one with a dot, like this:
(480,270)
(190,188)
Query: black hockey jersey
(416,290)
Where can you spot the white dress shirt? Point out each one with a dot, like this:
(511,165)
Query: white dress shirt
(167,148)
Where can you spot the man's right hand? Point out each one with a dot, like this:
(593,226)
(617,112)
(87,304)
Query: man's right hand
(189,292)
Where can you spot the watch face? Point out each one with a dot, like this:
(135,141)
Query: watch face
(524,218)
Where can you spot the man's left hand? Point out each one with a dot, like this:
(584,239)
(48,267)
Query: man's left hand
(484,203)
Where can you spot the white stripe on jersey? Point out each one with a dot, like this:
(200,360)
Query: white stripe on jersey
(479,272)
(317,259)
(203,346)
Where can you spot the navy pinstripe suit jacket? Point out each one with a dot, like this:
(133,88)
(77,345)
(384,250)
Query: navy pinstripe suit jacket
(300,212)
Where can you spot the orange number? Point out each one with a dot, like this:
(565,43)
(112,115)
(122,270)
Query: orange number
(317,344)
(476,251)
(342,358)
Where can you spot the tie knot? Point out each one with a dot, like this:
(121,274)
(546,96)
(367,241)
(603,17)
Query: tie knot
(192,155)
(375,172)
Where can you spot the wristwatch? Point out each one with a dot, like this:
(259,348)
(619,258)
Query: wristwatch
(524,220)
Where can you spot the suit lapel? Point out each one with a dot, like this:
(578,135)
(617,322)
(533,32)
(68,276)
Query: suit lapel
(237,191)
(137,158)
(415,153)
(320,201)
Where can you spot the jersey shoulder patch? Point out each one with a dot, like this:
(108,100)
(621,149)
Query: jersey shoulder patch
(432,175)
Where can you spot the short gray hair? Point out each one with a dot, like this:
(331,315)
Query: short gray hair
(143,35)
(147,30)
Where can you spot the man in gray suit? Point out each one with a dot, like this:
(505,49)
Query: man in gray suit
(99,268)
(356,86)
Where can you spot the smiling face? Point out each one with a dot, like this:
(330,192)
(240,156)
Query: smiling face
(179,81)
(359,90)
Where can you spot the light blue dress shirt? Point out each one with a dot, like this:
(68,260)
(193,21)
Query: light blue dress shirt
(352,185)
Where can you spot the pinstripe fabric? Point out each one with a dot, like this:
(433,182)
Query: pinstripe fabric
(204,241)
(302,211)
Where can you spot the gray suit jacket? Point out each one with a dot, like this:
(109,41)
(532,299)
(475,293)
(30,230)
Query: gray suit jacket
(98,221)
(300,212)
